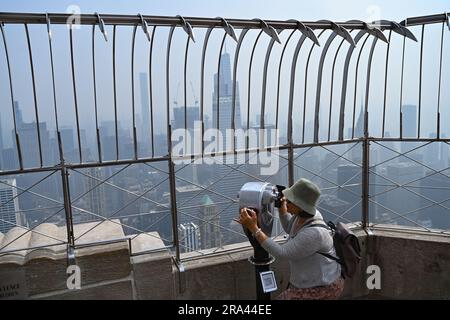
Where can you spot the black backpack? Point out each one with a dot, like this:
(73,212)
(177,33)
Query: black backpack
(347,247)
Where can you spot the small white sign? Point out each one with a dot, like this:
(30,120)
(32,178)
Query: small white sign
(268,281)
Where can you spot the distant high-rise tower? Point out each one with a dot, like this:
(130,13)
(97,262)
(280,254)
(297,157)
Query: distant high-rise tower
(96,199)
(189,236)
(9,206)
(209,225)
(224,110)
(145,138)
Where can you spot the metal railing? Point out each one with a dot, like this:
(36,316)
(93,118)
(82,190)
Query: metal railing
(295,58)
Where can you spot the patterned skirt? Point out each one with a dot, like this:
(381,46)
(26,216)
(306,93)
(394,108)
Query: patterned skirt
(329,292)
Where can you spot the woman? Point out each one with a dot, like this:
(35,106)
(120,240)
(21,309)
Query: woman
(313,276)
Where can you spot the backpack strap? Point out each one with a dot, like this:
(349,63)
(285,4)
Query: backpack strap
(329,256)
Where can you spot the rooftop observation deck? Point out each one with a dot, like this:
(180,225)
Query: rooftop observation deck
(125,139)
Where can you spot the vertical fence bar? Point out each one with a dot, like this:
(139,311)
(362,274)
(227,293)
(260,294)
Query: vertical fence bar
(133,110)
(173,196)
(11,93)
(169,43)
(202,85)
(233,98)
(75,93)
(331,88)
(401,88)
(365,181)
(97,130)
(356,85)
(151,89)
(67,205)
(115,93)
(420,82)
(58,133)
(438,124)
(36,113)
(249,87)
(385,83)
(290,109)
(218,82)
(306,87)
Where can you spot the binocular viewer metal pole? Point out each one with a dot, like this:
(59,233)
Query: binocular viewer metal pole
(260,197)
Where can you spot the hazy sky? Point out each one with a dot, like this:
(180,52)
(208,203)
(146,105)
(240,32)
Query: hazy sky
(275,10)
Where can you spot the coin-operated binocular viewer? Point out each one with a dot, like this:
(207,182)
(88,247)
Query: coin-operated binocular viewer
(262,198)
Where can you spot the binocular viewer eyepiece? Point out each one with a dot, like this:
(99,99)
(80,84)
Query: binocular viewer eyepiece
(262,197)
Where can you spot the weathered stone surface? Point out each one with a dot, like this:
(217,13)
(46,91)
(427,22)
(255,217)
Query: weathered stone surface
(146,266)
(211,280)
(121,290)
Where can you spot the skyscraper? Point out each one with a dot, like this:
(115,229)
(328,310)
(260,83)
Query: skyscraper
(9,206)
(224,111)
(209,225)
(189,236)
(145,138)
(96,200)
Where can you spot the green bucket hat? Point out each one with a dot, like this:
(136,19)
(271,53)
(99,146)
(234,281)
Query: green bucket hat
(304,194)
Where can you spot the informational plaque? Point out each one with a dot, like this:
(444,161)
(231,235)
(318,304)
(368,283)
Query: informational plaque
(13,285)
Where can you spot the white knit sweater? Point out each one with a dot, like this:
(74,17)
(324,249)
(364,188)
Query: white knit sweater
(308,268)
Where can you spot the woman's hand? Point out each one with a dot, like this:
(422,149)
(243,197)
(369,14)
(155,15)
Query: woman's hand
(282,210)
(248,219)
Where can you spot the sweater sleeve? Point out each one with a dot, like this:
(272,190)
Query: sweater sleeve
(302,245)
(285,221)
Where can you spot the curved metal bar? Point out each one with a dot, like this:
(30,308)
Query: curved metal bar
(249,85)
(356,84)
(101,26)
(169,43)
(233,98)
(133,110)
(97,130)
(340,31)
(218,80)
(401,88)
(331,86)
(366,107)
(306,87)
(11,93)
(269,30)
(202,83)
(398,28)
(337,31)
(438,124)
(420,82)
(115,93)
(385,83)
(372,29)
(228,29)
(291,86)
(187,27)
(33,80)
(75,94)
(49,31)
(264,84)
(279,77)
(185,90)
(358,37)
(151,88)
(306,31)
(144,26)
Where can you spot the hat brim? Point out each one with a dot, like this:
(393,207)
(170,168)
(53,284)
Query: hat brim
(311,210)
